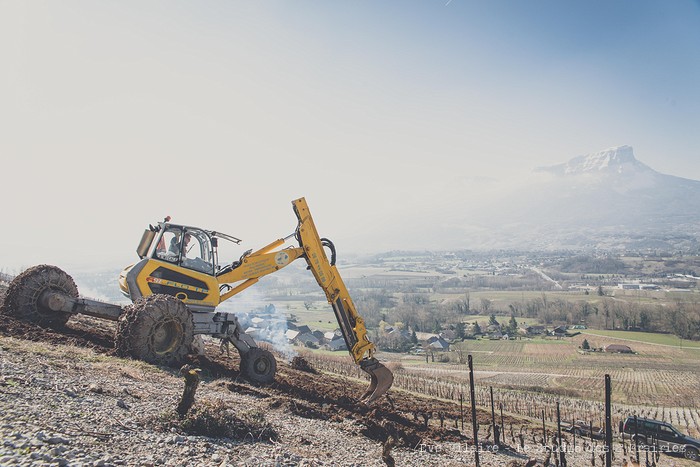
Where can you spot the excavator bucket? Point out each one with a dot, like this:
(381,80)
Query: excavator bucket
(381,379)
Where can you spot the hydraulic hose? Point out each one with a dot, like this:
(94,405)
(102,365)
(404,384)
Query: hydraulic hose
(327,243)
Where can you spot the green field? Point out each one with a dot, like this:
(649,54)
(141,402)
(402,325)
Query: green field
(646,337)
(319,316)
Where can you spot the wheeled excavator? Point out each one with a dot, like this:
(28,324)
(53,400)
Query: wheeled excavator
(176,287)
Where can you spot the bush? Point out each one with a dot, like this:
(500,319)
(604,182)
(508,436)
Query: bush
(216,420)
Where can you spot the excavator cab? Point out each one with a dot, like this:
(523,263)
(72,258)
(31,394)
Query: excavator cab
(177,260)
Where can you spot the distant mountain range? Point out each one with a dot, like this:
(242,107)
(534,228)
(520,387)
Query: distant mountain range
(605,200)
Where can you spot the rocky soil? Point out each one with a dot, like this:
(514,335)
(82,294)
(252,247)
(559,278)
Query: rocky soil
(66,400)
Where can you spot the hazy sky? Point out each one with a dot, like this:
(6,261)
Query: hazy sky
(219,113)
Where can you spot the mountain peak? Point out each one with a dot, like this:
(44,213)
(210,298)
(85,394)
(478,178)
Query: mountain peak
(619,159)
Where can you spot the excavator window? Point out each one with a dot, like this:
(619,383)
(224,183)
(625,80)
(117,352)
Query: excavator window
(197,251)
(187,247)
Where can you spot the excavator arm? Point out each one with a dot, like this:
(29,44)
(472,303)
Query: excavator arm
(351,323)
(270,259)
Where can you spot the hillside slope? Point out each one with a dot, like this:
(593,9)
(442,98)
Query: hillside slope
(66,400)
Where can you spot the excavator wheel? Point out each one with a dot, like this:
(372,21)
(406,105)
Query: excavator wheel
(258,365)
(22,298)
(157,329)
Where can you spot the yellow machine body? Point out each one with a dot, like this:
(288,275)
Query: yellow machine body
(206,288)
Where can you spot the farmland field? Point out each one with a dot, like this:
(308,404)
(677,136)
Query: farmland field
(657,380)
(647,337)
(531,389)
(529,377)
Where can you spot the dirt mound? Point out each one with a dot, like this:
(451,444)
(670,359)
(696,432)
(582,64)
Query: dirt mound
(301,364)
(79,332)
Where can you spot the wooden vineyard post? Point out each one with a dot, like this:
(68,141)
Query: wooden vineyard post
(562,458)
(595,445)
(503,427)
(608,424)
(496,430)
(636,438)
(474,424)
(544,431)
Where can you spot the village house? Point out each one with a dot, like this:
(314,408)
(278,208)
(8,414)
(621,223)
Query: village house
(536,330)
(291,335)
(307,338)
(330,335)
(319,335)
(448,335)
(400,334)
(495,335)
(424,336)
(438,343)
(338,343)
(258,322)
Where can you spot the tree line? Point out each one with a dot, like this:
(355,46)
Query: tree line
(419,313)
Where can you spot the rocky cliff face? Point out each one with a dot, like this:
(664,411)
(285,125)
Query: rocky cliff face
(607,199)
(616,160)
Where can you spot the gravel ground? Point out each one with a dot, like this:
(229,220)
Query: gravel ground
(69,406)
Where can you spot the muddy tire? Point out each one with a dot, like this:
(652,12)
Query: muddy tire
(691,453)
(258,366)
(22,298)
(156,329)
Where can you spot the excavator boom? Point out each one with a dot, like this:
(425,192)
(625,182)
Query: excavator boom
(351,323)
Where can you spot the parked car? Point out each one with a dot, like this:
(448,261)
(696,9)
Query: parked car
(652,433)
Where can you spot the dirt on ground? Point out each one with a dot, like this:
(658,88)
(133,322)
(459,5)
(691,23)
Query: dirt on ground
(298,388)
(399,420)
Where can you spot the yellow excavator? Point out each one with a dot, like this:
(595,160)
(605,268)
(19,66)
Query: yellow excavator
(176,287)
